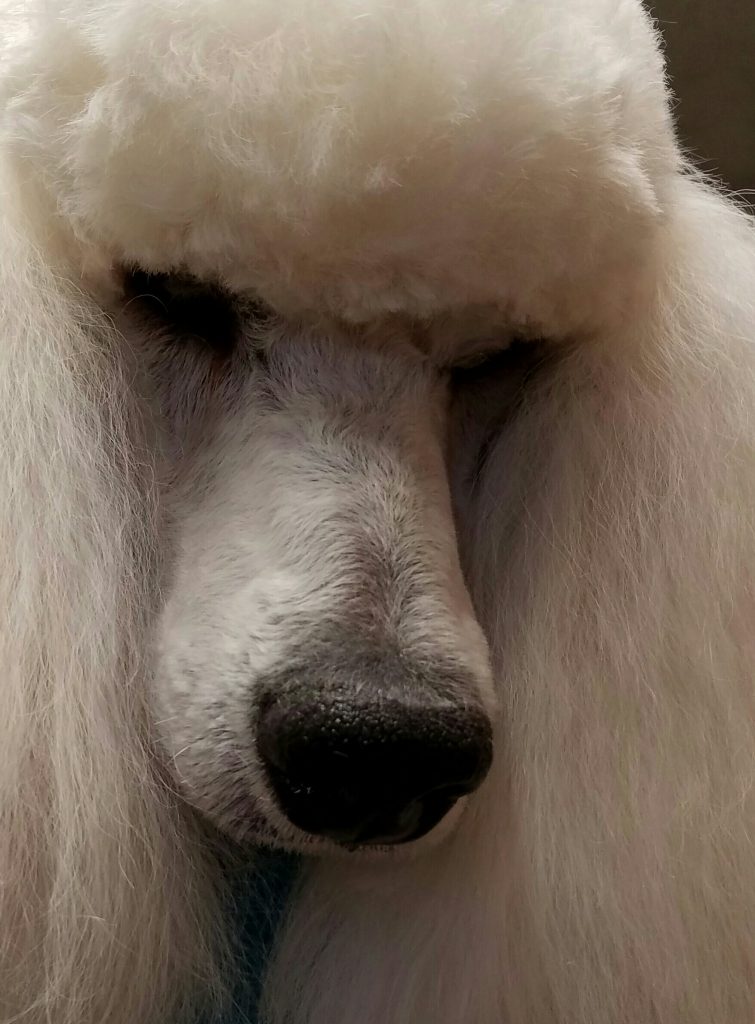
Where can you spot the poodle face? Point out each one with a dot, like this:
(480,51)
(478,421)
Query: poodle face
(320,675)
(254,257)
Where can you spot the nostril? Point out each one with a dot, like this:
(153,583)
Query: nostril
(370,772)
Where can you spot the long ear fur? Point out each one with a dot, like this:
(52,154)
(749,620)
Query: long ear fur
(104,914)
(607,873)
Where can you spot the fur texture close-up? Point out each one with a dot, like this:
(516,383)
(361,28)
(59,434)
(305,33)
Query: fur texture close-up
(377,486)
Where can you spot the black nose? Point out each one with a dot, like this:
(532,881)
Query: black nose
(370,772)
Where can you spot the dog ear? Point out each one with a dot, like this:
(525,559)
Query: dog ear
(614,569)
(94,879)
(604,872)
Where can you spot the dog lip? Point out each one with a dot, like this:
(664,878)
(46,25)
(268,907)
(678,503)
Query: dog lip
(420,818)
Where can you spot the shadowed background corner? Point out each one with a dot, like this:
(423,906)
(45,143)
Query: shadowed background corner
(710,46)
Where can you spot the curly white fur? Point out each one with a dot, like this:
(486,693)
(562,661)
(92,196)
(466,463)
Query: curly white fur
(374,172)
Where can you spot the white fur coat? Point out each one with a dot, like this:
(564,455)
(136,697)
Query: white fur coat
(487,168)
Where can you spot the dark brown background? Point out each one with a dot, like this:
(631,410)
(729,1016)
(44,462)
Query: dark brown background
(711,52)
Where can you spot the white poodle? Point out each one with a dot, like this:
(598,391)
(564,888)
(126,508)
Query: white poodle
(377,482)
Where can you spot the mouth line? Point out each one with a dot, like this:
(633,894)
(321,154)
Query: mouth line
(250,818)
(259,829)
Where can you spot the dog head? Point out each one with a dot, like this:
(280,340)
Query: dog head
(302,217)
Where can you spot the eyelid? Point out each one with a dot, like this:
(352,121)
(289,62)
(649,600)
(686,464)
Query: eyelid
(520,355)
(475,361)
(471,362)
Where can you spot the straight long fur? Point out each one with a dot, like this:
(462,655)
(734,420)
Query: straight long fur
(605,873)
(106,914)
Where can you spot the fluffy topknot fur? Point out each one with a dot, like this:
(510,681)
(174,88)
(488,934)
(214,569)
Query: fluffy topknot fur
(510,163)
(355,156)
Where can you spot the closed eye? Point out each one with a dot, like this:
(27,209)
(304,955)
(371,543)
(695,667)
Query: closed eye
(187,309)
(478,365)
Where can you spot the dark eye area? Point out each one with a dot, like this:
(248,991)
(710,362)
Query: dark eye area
(481,365)
(185,307)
